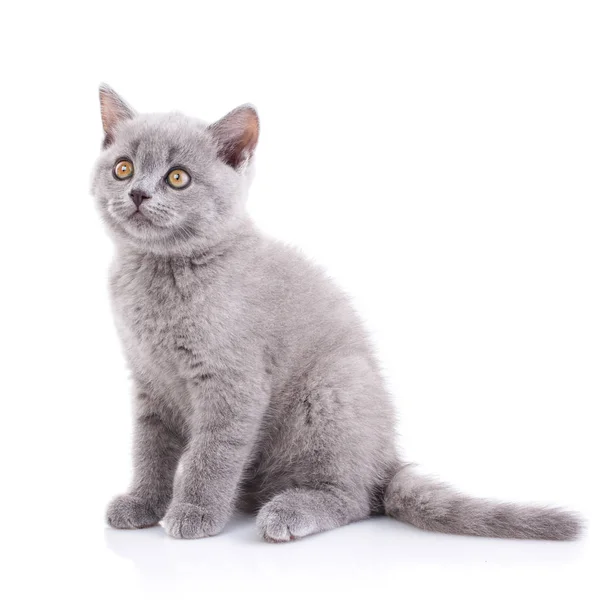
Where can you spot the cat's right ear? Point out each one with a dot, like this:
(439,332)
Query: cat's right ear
(114,111)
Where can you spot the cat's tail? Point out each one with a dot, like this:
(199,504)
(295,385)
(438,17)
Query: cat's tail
(435,506)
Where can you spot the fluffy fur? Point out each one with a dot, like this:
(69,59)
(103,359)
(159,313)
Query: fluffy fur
(252,372)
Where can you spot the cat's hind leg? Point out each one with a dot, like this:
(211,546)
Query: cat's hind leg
(298,512)
(325,454)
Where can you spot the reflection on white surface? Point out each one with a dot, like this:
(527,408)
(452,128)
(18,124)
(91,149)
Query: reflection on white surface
(358,556)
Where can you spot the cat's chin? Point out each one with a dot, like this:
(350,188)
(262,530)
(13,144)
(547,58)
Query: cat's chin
(139,231)
(143,234)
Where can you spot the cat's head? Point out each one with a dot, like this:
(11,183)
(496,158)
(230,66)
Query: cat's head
(171,184)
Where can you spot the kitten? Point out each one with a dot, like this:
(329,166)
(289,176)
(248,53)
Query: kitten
(252,372)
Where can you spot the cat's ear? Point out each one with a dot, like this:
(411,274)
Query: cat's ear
(236,135)
(114,111)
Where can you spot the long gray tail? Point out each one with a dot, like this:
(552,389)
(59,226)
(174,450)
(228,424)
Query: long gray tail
(435,506)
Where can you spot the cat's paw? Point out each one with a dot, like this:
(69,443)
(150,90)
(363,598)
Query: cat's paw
(279,522)
(131,512)
(187,521)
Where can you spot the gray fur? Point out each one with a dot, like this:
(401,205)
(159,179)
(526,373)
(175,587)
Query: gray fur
(252,372)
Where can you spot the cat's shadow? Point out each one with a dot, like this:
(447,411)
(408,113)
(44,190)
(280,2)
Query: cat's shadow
(378,545)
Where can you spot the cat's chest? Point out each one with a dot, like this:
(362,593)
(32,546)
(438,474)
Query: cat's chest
(164,314)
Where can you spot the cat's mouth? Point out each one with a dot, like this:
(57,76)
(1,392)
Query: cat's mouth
(140,224)
(138,216)
(142,218)
(138,219)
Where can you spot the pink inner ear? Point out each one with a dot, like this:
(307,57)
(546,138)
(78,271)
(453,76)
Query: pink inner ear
(114,110)
(236,135)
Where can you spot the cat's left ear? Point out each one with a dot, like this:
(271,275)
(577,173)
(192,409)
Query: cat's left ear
(236,135)
(114,111)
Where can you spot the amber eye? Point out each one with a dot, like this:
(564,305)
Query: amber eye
(123,169)
(178,179)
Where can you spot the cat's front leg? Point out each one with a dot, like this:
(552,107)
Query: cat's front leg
(227,415)
(156,453)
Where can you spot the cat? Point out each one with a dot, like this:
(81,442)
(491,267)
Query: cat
(256,387)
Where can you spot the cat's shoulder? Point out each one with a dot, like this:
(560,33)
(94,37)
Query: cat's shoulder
(286,266)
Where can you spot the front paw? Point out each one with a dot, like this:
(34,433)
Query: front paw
(187,521)
(131,512)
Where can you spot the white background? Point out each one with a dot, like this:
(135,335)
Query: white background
(441,159)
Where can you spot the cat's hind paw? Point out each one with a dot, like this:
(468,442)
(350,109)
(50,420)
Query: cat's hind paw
(278,522)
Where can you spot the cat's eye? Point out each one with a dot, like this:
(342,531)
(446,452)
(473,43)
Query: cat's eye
(178,178)
(123,169)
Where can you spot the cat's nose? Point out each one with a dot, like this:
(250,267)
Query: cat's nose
(138,196)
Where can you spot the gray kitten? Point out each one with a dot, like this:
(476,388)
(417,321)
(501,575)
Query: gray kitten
(252,372)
